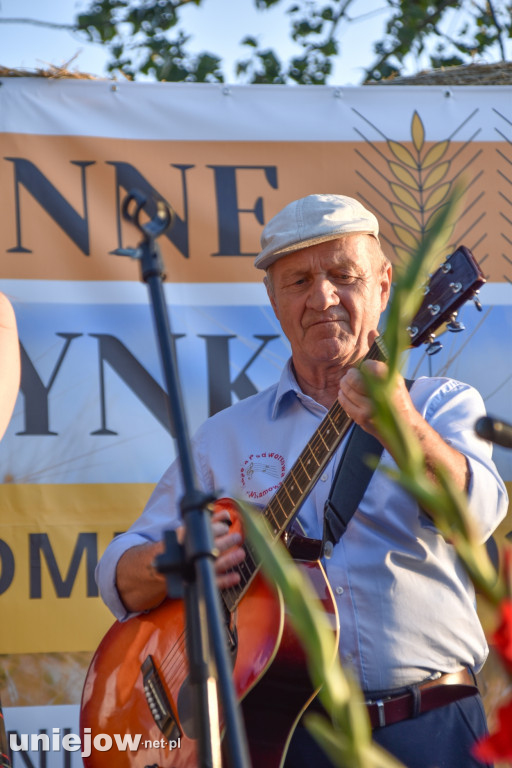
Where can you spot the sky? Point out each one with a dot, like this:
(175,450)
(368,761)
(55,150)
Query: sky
(217,26)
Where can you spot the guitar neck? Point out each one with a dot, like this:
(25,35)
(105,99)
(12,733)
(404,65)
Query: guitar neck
(298,483)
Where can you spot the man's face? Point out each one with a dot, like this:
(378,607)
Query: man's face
(328,299)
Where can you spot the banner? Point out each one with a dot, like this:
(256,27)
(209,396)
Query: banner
(90,435)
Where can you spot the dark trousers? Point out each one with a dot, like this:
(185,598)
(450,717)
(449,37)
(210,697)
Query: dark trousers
(441,738)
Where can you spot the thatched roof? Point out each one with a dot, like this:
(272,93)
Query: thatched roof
(56,73)
(467,74)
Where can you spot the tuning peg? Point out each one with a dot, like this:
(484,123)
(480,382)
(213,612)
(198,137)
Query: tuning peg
(434,346)
(454,326)
(446,267)
(478,305)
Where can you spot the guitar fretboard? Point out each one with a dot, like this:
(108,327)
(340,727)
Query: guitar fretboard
(296,486)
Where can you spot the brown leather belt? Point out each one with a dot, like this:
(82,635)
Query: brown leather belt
(421,698)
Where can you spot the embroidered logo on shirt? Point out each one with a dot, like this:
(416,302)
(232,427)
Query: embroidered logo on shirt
(261,474)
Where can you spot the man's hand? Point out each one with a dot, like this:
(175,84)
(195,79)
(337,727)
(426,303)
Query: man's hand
(353,398)
(142,587)
(230,550)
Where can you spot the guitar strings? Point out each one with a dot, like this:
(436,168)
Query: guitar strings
(175,655)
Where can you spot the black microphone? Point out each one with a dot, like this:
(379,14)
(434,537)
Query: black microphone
(495,430)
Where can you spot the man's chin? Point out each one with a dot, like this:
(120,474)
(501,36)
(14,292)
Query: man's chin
(332,349)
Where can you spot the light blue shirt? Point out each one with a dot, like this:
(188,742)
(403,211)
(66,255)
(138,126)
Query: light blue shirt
(406,605)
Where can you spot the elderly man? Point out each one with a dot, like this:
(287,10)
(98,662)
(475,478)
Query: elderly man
(406,606)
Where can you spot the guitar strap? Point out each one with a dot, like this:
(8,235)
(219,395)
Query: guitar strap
(352,478)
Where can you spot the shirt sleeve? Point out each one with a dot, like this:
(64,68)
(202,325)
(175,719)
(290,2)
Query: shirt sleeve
(452,409)
(161,513)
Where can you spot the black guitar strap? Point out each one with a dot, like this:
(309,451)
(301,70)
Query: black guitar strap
(352,478)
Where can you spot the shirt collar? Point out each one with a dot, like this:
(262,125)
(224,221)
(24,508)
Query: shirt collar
(288,387)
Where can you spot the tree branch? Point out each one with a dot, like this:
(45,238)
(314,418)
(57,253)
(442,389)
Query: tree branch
(37,23)
(490,3)
(430,19)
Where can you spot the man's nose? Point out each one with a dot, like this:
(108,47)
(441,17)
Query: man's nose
(322,295)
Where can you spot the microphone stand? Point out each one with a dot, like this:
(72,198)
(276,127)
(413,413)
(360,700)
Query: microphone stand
(189,567)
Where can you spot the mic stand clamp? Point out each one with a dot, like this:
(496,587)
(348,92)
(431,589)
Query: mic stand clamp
(188,567)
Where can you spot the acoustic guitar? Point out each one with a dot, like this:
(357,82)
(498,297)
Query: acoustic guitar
(137,685)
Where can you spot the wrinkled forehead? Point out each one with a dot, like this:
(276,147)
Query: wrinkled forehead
(358,253)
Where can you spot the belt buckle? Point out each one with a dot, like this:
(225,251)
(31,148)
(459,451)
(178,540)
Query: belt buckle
(381,712)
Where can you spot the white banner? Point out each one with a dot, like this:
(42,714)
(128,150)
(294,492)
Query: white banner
(90,433)
(216,112)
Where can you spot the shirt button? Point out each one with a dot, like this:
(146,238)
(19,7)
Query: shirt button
(339,590)
(348,657)
(328,548)
(323,478)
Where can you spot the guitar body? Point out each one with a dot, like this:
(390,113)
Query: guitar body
(273,707)
(269,675)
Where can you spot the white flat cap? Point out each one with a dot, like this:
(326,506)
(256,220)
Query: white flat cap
(311,220)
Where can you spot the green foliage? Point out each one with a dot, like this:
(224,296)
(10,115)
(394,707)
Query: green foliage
(144,36)
(136,33)
(460,30)
(262,67)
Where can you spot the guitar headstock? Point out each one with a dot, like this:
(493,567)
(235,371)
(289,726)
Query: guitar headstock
(458,279)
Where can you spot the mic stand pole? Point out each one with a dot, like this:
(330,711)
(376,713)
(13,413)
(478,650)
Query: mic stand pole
(189,568)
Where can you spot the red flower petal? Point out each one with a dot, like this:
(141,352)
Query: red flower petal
(498,745)
(502,637)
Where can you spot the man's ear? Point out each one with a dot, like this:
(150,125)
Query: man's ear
(270,293)
(386,279)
